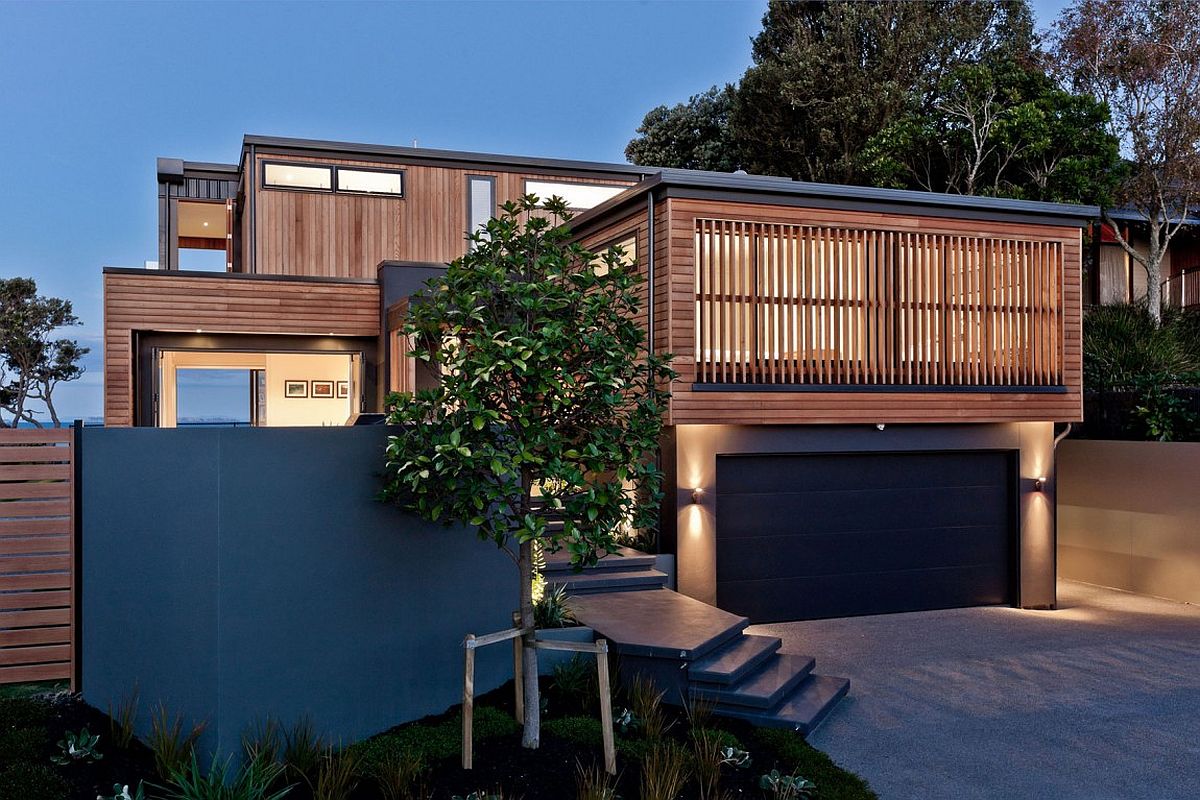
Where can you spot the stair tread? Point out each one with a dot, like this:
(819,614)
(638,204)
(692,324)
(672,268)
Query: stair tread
(765,686)
(608,578)
(802,710)
(734,660)
(657,622)
(624,559)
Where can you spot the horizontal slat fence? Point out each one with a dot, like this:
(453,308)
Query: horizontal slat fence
(37,554)
(796,304)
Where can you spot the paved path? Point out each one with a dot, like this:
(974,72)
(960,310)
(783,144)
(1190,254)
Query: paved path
(1099,700)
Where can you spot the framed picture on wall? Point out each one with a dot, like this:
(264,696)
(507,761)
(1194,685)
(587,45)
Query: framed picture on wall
(322,388)
(343,389)
(295,388)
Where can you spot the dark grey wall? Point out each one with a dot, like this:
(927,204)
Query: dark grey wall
(236,573)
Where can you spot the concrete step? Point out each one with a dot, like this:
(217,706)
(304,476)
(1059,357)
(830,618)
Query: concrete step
(624,560)
(764,687)
(658,623)
(591,581)
(733,661)
(802,710)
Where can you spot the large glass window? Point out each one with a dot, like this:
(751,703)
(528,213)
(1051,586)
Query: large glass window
(578,196)
(370,181)
(297,176)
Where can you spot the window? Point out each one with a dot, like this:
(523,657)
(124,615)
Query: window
(481,201)
(628,245)
(298,176)
(370,181)
(578,195)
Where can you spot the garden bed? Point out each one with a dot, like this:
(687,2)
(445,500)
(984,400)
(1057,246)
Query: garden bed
(422,760)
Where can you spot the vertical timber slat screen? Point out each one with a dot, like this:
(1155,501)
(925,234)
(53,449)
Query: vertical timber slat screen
(800,304)
(37,508)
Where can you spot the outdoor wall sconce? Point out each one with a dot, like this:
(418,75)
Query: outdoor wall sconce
(697,495)
(1039,483)
(880,426)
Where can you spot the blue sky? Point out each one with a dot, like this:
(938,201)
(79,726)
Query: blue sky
(91,94)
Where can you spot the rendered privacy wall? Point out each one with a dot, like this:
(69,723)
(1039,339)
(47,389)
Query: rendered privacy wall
(1129,516)
(239,573)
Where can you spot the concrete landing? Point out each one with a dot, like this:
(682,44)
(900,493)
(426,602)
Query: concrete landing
(657,622)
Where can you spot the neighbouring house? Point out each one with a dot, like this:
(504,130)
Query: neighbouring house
(868,380)
(1116,277)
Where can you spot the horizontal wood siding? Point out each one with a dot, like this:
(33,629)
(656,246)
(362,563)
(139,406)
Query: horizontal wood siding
(887,321)
(37,535)
(346,235)
(220,304)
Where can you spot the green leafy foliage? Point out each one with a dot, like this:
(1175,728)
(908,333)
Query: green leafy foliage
(173,748)
(574,686)
(303,752)
(337,776)
(691,135)
(796,757)
(544,424)
(25,781)
(123,792)
(77,746)
(786,787)
(433,742)
(399,775)
(254,780)
(553,610)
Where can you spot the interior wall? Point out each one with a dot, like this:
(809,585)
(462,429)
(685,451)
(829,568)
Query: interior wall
(283,411)
(694,467)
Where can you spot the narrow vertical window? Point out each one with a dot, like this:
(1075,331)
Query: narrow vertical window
(481,201)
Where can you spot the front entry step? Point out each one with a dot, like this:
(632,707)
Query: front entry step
(693,650)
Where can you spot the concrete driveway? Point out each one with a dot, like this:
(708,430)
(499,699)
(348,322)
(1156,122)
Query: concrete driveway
(1099,699)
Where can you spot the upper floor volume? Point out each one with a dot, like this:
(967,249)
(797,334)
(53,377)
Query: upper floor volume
(783,302)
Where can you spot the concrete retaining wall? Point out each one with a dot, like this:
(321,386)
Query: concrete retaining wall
(1129,516)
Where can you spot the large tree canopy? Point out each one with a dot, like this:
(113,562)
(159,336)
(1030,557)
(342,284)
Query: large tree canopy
(543,427)
(32,361)
(943,95)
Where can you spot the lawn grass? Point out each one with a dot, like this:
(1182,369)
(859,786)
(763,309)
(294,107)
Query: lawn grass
(31,689)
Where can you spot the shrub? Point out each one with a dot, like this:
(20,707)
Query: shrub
(253,781)
(554,609)
(22,744)
(122,719)
(77,747)
(172,748)
(798,757)
(645,700)
(586,732)
(575,685)
(399,775)
(786,787)
(432,742)
(264,740)
(593,783)
(303,750)
(664,772)
(25,781)
(337,777)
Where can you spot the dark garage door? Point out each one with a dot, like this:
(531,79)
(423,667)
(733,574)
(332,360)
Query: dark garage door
(830,535)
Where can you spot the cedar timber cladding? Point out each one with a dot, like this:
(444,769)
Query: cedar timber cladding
(138,300)
(1036,376)
(347,235)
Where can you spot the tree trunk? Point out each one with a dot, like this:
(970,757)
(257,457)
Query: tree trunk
(1154,275)
(529,664)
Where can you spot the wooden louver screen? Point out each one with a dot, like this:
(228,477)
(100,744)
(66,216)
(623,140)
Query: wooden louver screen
(798,304)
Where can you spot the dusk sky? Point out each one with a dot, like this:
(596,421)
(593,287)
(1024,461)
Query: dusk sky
(91,94)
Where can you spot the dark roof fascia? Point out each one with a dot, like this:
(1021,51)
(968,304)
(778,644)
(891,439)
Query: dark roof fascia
(241,276)
(175,170)
(432,157)
(783,191)
(1132,215)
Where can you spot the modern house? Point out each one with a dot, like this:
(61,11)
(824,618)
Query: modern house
(1117,278)
(868,380)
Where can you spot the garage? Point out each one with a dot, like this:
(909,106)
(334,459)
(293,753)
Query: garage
(841,534)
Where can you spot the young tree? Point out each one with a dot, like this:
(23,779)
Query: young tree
(1142,58)
(543,428)
(32,362)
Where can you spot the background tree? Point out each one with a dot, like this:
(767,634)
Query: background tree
(691,135)
(1002,130)
(1142,58)
(32,362)
(543,428)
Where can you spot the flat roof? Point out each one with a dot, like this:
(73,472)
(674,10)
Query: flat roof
(430,154)
(698,184)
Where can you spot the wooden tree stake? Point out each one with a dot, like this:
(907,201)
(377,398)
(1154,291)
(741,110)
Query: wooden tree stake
(606,717)
(518,673)
(468,702)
